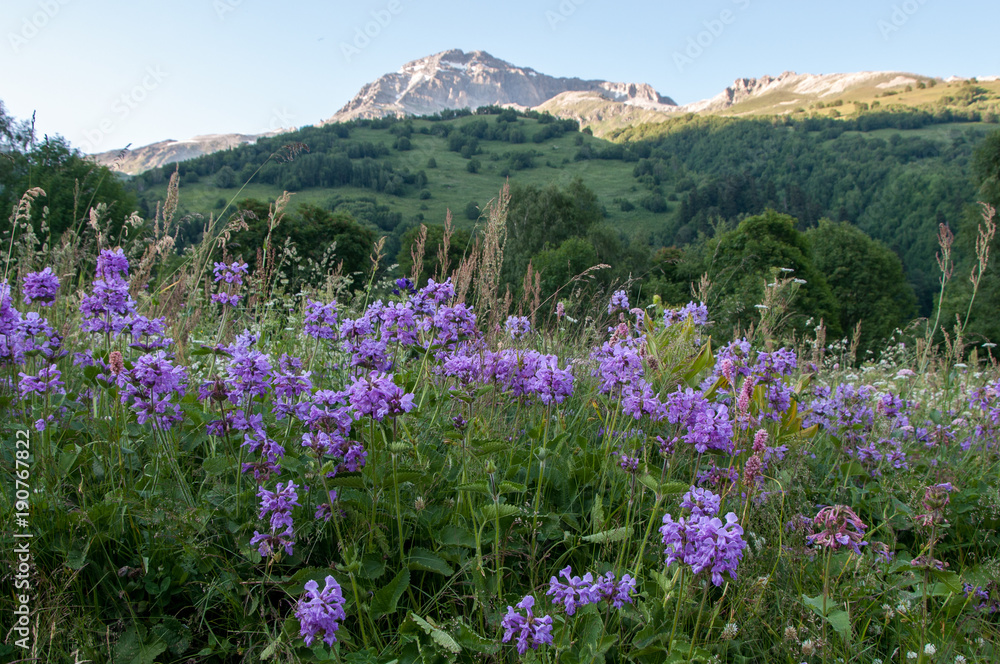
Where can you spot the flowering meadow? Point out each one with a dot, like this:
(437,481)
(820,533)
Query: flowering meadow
(223,471)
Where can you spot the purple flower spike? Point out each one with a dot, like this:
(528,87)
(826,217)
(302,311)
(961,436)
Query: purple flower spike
(531,631)
(40,287)
(575,592)
(320,610)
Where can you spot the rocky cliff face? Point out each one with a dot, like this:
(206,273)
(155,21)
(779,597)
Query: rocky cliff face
(799,88)
(455,79)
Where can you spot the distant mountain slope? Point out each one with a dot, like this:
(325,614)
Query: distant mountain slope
(455,79)
(170,151)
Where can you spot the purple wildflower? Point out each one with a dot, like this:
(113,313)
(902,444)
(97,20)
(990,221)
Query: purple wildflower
(701,502)
(619,300)
(618,593)
(704,543)
(575,592)
(377,395)
(840,527)
(518,327)
(321,319)
(320,610)
(531,631)
(148,387)
(40,287)
(48,381)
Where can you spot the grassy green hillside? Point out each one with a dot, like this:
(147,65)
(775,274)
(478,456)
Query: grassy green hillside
(449,182)
(894,174)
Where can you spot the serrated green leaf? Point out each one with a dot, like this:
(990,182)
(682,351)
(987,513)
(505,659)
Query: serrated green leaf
(347,482)
(511,487)
(841,622)
(444,639)
(613,535)
(471,641)
(456,536)
(428,561)
(216,466)
(386,598)
(597,515)
(492,511)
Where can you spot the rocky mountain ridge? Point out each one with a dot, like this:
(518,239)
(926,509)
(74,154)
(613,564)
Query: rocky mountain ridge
(455,79)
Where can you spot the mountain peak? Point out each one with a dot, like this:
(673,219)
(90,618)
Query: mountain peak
(456,79)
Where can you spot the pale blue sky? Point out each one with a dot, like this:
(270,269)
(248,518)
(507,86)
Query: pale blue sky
(108,73)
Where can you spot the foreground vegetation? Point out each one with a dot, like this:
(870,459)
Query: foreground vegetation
(227,463)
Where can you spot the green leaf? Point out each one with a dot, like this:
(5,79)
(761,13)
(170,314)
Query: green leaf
(455,536)
(385,599)
(597,515)
(841,622)
(837,617)
(428,561)
(441,637)
(402,476)
(491,512)
(664,489)
(852,468)
(613,535)
(477,487)
(511,487)
(348,481)
(216,466)
(704,359)
(469,640)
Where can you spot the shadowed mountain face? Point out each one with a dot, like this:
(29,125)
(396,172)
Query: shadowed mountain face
(455,79)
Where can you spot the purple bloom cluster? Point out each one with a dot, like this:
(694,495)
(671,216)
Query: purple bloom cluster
(47,381)
(109,307)
(41,287)
(840,527)
(149,387)
(232,276)
(521,373)
(702,541)
(320,610)
(706,425)
(518,327)
(577,592)
(854,413)
(531,631)
(698,313)
(619,301)
(378,395)
(279,505)
(321,319)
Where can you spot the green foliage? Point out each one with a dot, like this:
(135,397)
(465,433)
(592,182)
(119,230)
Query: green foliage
(544,218)
(320,238)
(458,245)
(745,259)
(72,185)
(866,278)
